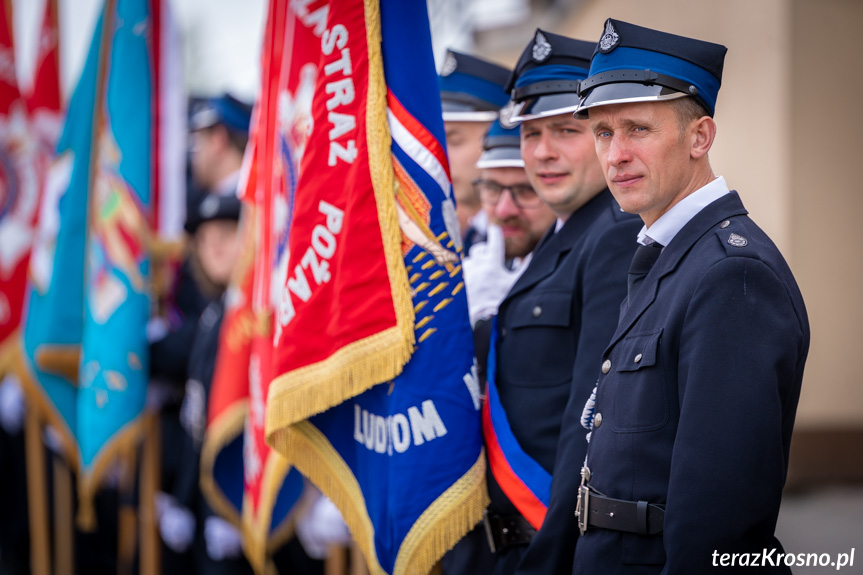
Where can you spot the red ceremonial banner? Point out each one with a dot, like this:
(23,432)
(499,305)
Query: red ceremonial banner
(245,361)
(344,320)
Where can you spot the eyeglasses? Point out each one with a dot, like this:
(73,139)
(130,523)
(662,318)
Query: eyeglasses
(489,192)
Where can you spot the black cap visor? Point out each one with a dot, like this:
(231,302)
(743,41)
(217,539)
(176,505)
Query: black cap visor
(461,108)
(625,93)
(503,157)
(544,106)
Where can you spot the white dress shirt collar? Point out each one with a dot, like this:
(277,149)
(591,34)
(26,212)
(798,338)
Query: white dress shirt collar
(558,224)
(666,227)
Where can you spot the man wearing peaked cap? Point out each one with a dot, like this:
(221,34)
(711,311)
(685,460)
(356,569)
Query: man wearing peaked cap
(518,219)
(555,319)
(698,388)
(471,91)
(219,132)
(492,266)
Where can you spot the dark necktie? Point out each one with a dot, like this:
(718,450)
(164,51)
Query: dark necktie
(642,261)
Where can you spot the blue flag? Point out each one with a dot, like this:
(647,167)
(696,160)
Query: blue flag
(85,338)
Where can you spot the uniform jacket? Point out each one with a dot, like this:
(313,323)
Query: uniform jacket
(202,365)
(698,390)
(554,324)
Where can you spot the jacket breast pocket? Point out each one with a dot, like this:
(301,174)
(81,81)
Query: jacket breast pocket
(640,396)
(538,346)
(549,309)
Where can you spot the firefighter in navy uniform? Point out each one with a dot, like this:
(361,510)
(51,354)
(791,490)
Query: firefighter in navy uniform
(698,387)
(556,319)
(492,267)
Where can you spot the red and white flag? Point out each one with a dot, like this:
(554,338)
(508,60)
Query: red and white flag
(29,128)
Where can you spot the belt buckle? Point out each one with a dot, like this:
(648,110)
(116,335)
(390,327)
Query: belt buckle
(489,532)
(583,501)
(581,508)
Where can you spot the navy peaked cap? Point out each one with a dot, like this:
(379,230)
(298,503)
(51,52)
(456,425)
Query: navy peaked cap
(546,79)
(636,64)
(211,207)
(227,110)
(471,88)
(501,148)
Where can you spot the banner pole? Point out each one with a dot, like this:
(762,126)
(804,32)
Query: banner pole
(358,561)
(37,495)
(336,561)
(150,478)
(127,520)
(64,526)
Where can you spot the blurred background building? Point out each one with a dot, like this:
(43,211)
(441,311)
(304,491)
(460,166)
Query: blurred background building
(788,141)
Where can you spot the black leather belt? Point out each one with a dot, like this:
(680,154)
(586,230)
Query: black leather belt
(639,517)
(506,530)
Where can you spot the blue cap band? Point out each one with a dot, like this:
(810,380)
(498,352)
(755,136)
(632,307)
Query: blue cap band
(233,116)
(478,88)
(226,110)
(623,58)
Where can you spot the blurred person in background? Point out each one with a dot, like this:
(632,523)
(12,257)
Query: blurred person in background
(518,219)
(471,91)
(219,133)
(186,520)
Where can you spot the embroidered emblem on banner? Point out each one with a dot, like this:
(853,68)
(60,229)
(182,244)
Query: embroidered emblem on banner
(610,38)
(737,241)
(541,48)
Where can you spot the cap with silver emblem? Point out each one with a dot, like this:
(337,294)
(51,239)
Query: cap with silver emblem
(211,207)
(545,80)
(636,64)
(501,148)
(471,89)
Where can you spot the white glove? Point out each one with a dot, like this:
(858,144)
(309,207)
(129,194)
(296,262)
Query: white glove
(176,523)
(223,539)
(486,278)
(322,527)
(11,405)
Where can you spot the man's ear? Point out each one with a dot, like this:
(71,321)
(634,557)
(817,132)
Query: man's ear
(703,131)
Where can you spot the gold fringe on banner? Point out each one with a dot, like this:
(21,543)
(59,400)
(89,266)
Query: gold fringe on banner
(48,414)
(316,458)
(124,441)
(444,522)
(353,369)
(453,514)
(121,448)
(258,543)
(228,427)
